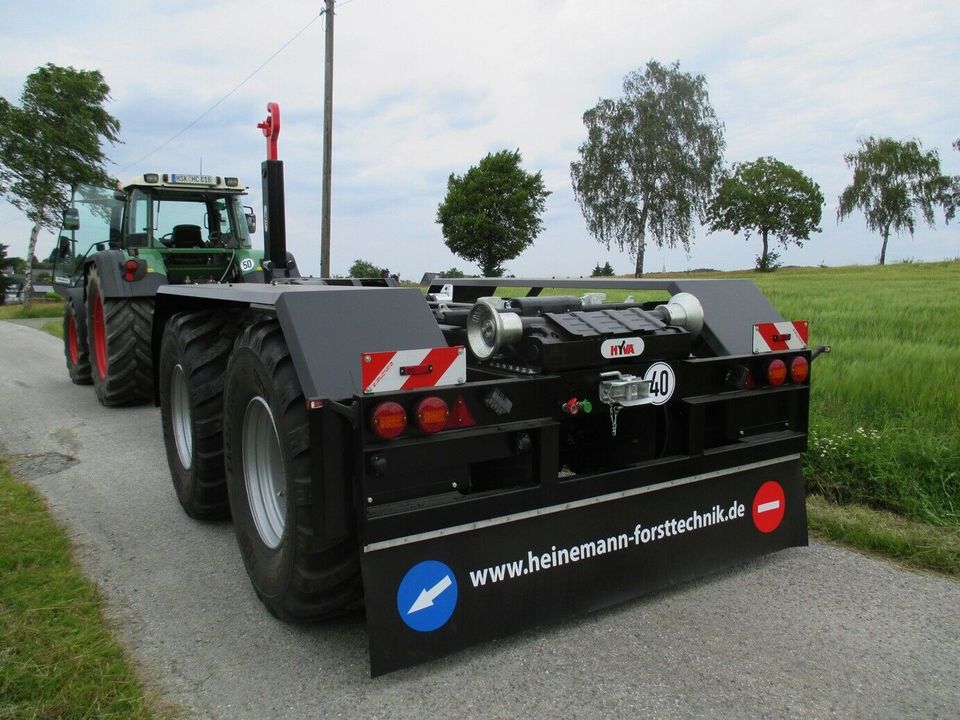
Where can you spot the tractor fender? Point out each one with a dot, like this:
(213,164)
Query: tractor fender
(75,296)
(109,265)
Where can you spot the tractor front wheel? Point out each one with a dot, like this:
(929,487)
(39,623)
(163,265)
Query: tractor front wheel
(297,575)
(75,345)
(118,337)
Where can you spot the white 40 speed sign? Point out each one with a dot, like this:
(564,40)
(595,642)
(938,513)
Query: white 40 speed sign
(662,381)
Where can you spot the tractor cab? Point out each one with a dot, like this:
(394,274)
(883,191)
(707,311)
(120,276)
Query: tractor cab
(186,212)
(187,228)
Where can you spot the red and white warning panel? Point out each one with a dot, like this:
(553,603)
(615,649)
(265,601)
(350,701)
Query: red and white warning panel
(394,370)
(769,337)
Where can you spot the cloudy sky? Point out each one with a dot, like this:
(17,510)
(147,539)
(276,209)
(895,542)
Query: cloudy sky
(425,88)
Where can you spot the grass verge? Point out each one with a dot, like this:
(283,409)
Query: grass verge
(58,659)
(53,327)
(38,309)
(913,544)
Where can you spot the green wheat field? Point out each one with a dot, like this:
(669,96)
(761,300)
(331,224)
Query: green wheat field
(885,415)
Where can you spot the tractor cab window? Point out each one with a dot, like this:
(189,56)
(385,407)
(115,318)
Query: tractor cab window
(178,222)
(94,227)
(182,220)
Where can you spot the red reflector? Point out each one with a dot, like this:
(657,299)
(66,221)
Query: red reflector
(388,420)
(432,414)
(777,372)
(799,369)
(128,276)
(460,415)
(407,370)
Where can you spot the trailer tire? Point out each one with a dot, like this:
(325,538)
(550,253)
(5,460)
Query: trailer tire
(75,346)
(193,363)
(119,336)
(297,575)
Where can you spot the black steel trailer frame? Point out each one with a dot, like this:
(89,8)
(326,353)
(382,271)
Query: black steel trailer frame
(529,512)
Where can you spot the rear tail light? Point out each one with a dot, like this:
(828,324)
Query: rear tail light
(133,269)
(388,420)
(776,372)
(799,369)
(432,414)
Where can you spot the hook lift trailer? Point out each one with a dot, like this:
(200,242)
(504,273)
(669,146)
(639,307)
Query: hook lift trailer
(468,464)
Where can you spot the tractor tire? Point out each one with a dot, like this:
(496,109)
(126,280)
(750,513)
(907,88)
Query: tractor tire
(193,364)
(297,575)
(75,346)
(119,334)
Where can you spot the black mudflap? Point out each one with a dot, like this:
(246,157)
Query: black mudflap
(427,597)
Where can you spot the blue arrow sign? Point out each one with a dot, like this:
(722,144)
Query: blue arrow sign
(427,596)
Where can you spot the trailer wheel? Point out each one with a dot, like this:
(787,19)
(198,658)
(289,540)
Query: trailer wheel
(75,346)
(193,362)
(119,337)
(297,575)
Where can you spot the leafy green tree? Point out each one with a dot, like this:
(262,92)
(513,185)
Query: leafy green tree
(452,273)
(950,194)
(892,181)
(365,269)
(605,271)
(491,213)
(18,264)
(770,198)
(651,161)
(51,141)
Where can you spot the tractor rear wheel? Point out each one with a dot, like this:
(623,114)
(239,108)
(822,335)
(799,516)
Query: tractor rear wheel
(119,336)
(193,362)
(296,574)
(75,346)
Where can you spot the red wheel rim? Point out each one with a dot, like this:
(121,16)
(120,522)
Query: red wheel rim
(72,346)
(99,337)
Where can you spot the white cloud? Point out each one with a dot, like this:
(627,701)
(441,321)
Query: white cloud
(424,89)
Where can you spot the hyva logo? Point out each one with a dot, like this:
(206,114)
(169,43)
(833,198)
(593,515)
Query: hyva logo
(622,347)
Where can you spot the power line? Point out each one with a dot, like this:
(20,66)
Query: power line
(221,100)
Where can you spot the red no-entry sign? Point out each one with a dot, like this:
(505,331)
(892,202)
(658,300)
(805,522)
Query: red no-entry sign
(769,506)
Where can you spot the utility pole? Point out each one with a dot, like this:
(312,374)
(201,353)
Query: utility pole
(327,144)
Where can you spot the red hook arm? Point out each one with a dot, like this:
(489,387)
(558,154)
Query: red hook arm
(271,129)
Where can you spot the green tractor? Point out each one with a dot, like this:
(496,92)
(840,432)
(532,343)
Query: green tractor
(118,246)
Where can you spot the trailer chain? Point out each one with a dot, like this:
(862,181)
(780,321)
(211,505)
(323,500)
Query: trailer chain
(614,411)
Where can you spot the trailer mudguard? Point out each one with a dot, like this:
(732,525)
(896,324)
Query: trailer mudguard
(429,595)
(725,332)
(326,327)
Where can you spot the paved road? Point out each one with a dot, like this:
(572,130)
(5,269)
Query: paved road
(816,632)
